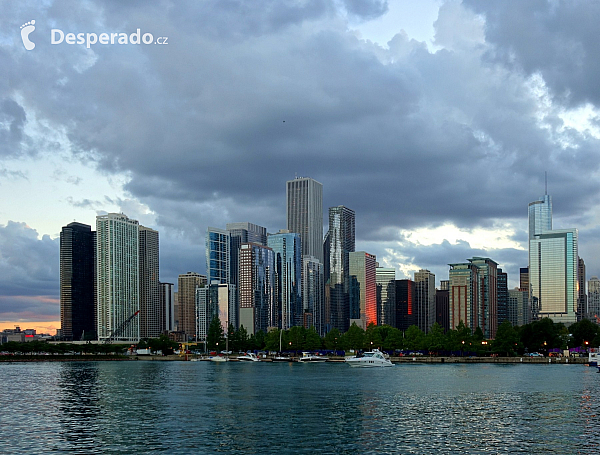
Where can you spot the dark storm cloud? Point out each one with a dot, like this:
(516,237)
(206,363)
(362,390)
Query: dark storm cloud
(29,271)
(558,39)
(248,94)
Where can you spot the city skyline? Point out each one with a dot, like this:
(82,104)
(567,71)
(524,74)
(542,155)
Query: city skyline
(434,121)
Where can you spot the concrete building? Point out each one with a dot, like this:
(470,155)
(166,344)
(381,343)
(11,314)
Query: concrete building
(77,299)
(150,309)
(117,277)
(442,311)
(594,299)
(582,309)
(186,300)
(386,296)
(518,310)
(167,308)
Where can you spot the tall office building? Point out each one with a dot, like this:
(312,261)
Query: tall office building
(594,299)
(287,254)
(242,233)
(186,301)
(502,293)
(256,290)
(167,308)
(553,265)
(150,309)
(339,243)
(464,295)
(117,277)
(363,300)
(405,316)
(582,309)
(312,294)
(524,278)
(517,307)
(218,248)
(305,214)
(77,312)
(425,299)
(386,296)
(442,311)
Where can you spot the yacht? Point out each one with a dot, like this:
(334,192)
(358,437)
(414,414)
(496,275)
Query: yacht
(248,357)
(374,358)
(218,358)
(307,357)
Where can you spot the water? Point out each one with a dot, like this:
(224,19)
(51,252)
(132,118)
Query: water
(203,407)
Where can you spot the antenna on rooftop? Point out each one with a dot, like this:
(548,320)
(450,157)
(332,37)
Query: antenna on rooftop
(546,182)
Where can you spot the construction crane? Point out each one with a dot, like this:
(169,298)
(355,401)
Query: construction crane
(119,330)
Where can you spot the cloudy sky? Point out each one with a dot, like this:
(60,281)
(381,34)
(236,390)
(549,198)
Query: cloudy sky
(434,120)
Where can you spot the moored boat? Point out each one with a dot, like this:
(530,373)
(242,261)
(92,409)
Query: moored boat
(248,357)
(307,357)
(374,358)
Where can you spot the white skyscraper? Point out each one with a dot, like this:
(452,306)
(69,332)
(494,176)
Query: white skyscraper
(305,214)
(117,277)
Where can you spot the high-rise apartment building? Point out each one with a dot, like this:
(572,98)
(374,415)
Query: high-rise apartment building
(518,311)
(150,309)
(215,300)
(339,243)
(287,254)
(442,311)
(312,294)
(218,248)
(256,289)
(77,312)
(186,300)
(305,214)
(424,299)
(386,296)
(363,299)
(167,308)
(117,277)
(502,296)
(242,233)
(594,299)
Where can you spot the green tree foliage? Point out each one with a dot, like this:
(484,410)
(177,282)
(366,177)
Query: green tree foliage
(435,340)
(354,337)
(333,339)
(414,338)
(507,340)
(272,340)
(541,335)
(295,338)
(394,339)
(215,337)
(583,331)
(372,338)
(312,340)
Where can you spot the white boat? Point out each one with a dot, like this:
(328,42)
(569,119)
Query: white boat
(218,358)
(307,357)
(249,357)
(374,358)
(593,357)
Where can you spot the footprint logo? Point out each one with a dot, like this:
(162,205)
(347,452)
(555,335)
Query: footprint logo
(26,29)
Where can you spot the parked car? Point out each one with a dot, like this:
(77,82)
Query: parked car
(536,354)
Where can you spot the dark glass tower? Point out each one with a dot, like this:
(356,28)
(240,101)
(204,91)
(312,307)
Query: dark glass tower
(502,296)
(77,312)
(340,242)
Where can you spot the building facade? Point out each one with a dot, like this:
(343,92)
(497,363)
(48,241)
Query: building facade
(287,255)
(313,299)
(386,296)
(424,299)
(167,308)
(186,302)
(150,308)
(405,292)
(218,255)
(518,310)
(502,296)
(582,309)
(363,299)
(594,299)
(305,214)
(117,278)
(77,258)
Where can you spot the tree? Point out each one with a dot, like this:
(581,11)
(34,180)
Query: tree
(393,340)
(332,339)
(435,340)
(372,338)
(242,338)
(312,340)
(295,338)
(582,331)
(507,340)
(354,337)
(215,335)
(272,339)
(414,338)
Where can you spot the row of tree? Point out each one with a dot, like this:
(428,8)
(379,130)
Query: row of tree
(541,336)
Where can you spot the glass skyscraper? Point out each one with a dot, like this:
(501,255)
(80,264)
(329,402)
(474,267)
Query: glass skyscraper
(540,216)
(218,248)
(363,293)
(287,251)
(386,296)
(425,299)
(150,309)
(305,214)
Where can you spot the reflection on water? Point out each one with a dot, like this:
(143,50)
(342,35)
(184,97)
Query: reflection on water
(203,407)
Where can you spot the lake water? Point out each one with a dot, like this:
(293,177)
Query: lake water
(205,407)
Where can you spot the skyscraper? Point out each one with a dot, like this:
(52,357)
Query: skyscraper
(77,312)
(242,233)
(517,308)
(594,299)
(305,214)
(405,291)
(540,216)
(312,294)
(186,301)
(442,310)
(340,242)
(215,300)
(256,290)
(150,309)
(287,251)
(425,299)
(386,296)
(464,295)
(218,247)
(487,313)
(117,277)
(582,309)
(167,307)
(362,273)
(502,296)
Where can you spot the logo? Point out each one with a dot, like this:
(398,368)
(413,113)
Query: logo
(26,30)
